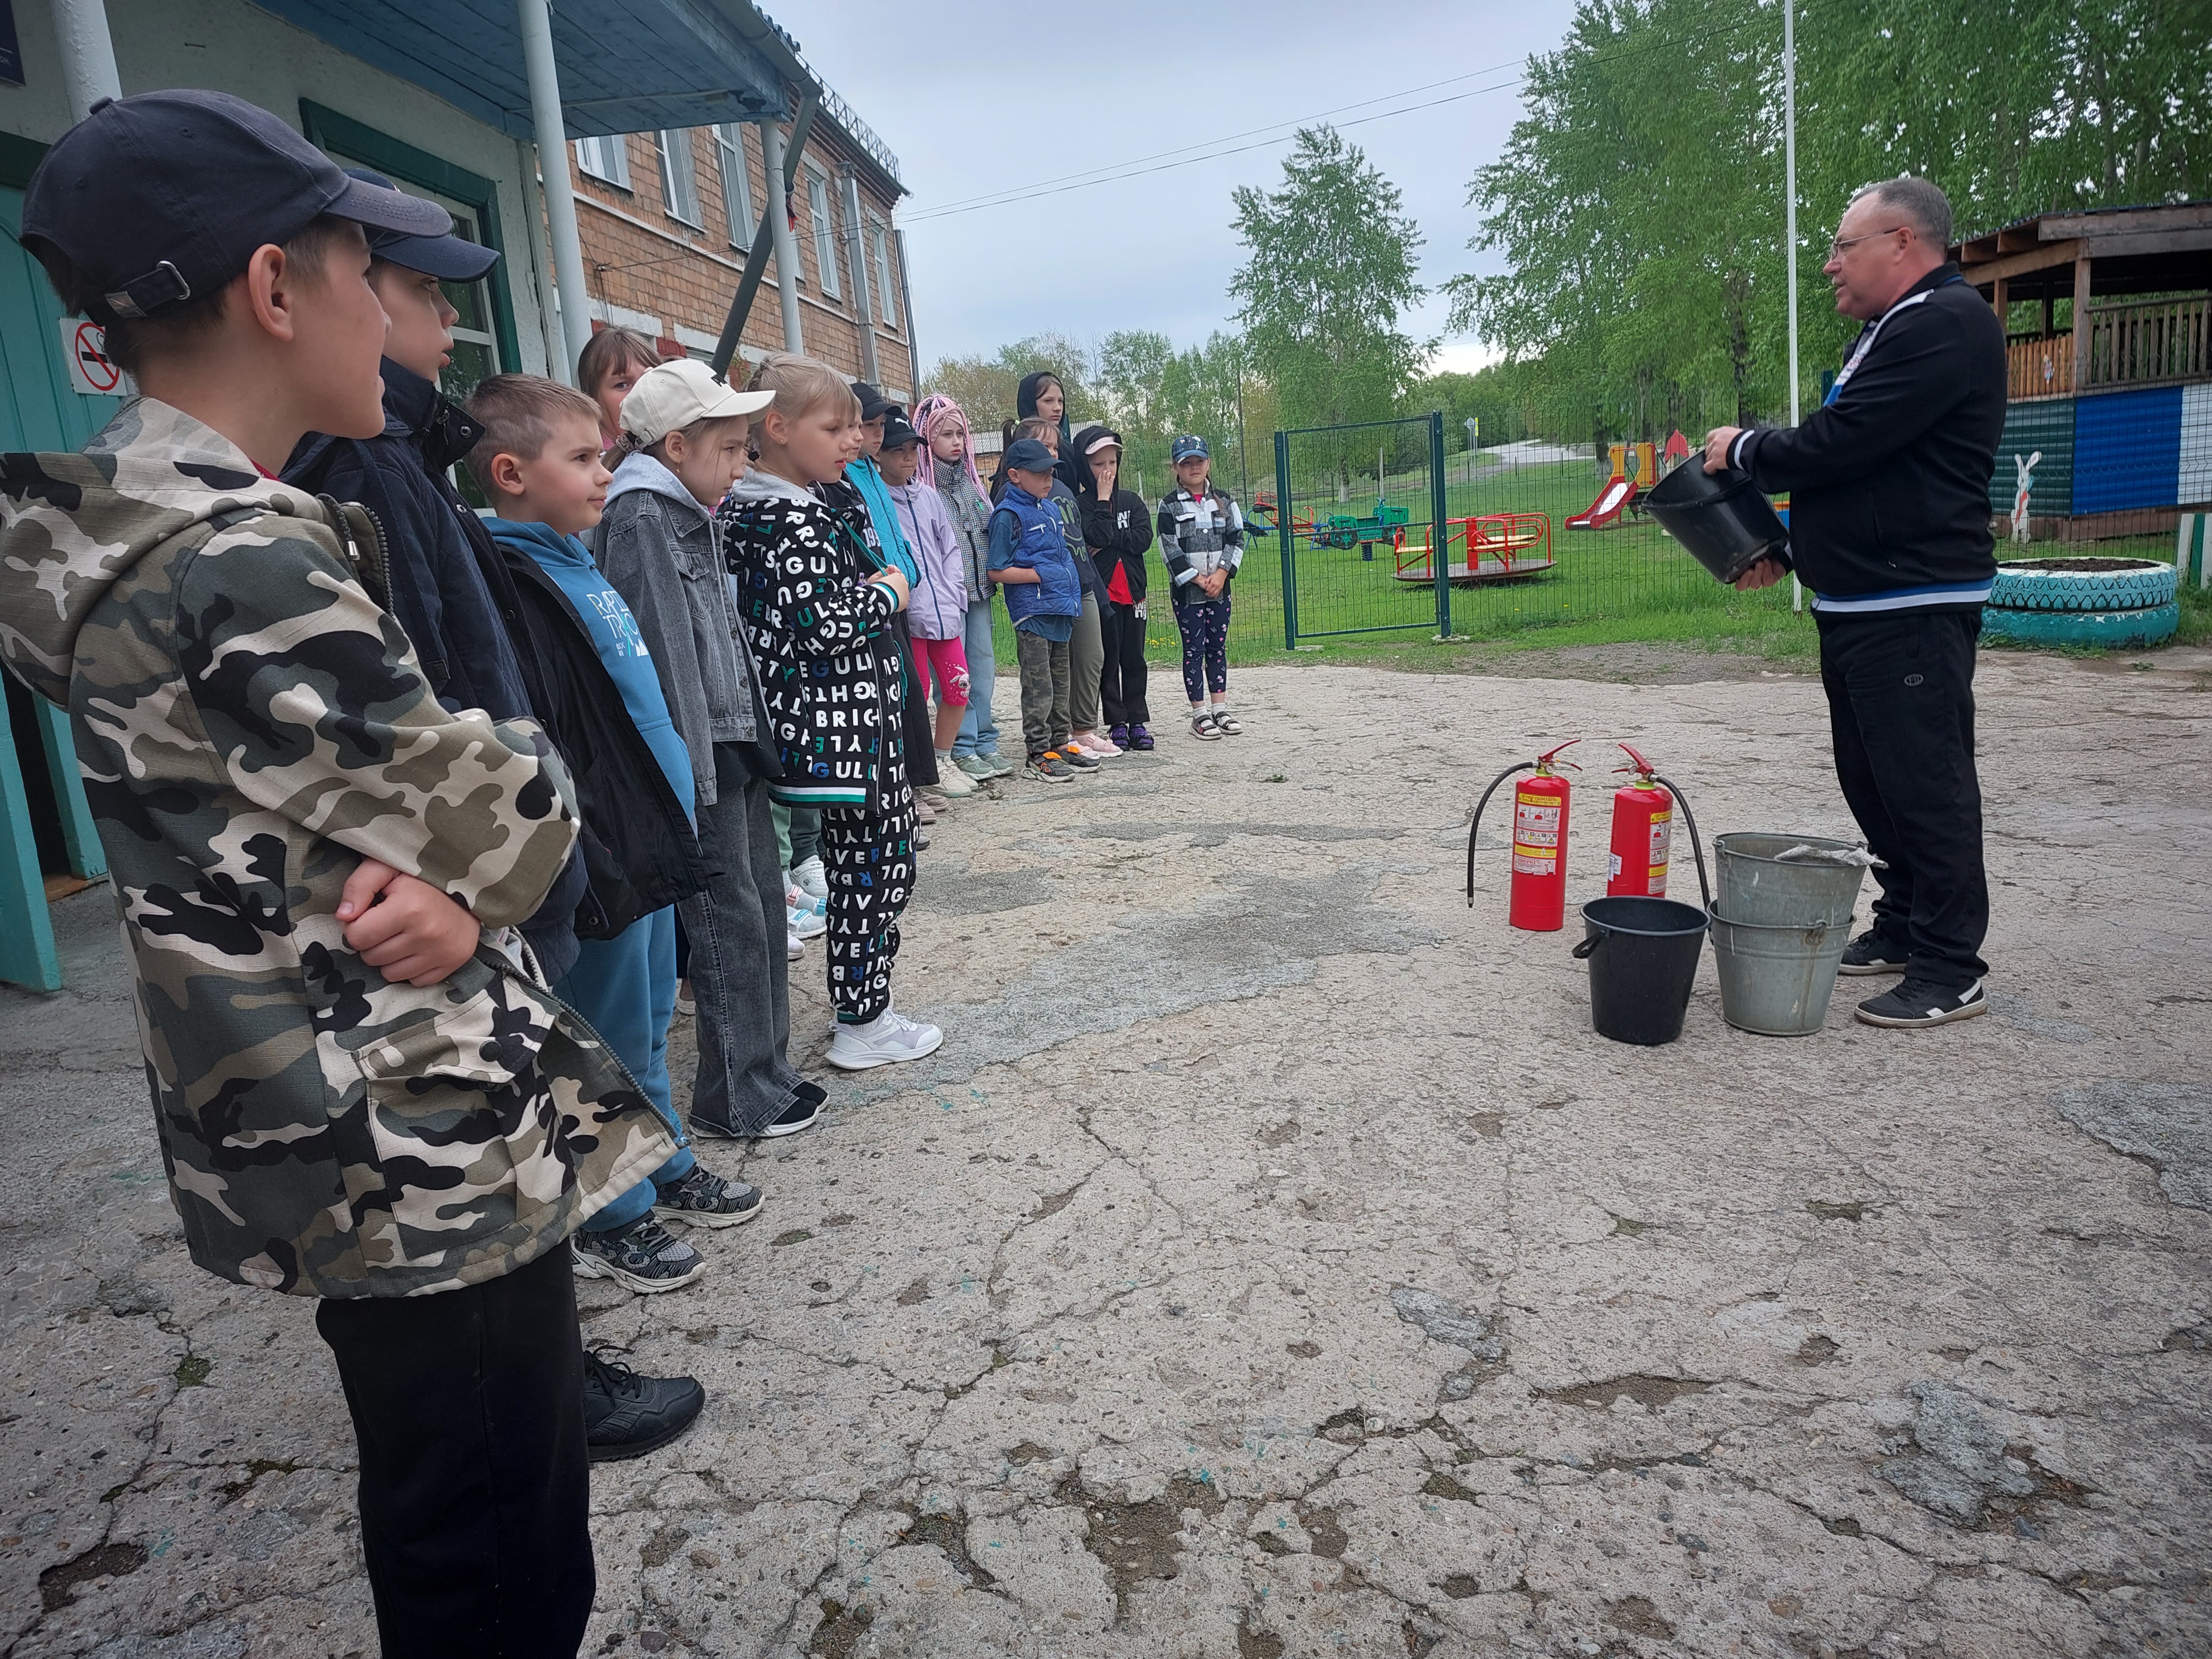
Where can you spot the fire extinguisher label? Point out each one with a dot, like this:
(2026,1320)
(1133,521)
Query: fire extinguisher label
(1662,837)
(1541,865)
(1612,866)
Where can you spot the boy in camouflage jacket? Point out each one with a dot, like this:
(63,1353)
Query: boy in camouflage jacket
(361,1091)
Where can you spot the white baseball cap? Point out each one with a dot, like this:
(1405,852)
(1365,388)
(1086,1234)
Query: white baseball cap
(670,395)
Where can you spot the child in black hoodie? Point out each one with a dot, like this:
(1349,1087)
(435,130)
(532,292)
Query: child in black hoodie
(1118,529)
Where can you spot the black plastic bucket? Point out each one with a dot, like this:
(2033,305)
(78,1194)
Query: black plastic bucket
(1642,955)
(1721,517)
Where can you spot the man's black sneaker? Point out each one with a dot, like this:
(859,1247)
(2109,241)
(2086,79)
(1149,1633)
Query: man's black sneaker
(644,1255)
(708,1199)
(1918,1002)
(626,1415)
(800,1114)
(1870,953)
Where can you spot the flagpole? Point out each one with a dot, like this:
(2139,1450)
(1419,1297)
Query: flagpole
(1790,169)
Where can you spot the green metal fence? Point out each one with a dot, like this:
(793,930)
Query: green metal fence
(1351,506)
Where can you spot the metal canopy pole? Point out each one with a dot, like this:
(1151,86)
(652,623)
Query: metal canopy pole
(88,55)
(537,24)
(1790,172)
(775,231)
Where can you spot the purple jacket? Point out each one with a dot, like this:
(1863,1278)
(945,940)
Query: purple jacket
(939,608)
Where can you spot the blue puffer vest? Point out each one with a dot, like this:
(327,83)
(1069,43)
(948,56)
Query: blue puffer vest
(1042,546)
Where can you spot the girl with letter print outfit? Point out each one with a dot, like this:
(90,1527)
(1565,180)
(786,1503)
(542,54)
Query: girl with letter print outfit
(817,604)
(1202,543)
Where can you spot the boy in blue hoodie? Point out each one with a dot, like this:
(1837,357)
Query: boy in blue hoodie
(1028,557)
(539,460)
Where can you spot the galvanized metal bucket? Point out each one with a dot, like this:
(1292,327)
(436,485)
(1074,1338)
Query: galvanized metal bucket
(1776,979)
(1758,888)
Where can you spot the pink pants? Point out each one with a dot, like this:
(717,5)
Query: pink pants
(945,661)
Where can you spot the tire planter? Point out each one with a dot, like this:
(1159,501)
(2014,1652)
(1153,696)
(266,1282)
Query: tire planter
(2151,624)
(2105,586)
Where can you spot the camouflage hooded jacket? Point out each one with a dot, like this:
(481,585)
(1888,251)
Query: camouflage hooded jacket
(249,724)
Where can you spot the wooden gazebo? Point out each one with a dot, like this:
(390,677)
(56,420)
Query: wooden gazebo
(2112,255)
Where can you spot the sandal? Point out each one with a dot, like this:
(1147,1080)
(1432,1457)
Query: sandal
(1140,738)
(1201,726)
(1226,722)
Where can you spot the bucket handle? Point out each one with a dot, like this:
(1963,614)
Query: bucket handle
(1581,952)
(1697,851)
(1475,824)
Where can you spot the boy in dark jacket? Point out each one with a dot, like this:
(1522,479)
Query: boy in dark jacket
(1117,530)
(818,602)
(1202,543)
(1028,557)
(449,585)
(539,460)
(686,435)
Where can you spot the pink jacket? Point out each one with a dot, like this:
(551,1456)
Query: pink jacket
(939,608)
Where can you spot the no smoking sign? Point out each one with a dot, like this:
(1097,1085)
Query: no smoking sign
(85,345)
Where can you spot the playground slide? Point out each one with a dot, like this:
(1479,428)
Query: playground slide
(1612,501)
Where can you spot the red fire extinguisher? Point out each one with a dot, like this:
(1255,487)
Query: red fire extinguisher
(1643,832)
(1539,900)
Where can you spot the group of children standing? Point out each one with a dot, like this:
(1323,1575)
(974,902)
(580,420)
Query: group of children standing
(411,809)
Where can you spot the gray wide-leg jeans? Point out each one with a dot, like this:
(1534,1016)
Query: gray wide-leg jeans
(740,979)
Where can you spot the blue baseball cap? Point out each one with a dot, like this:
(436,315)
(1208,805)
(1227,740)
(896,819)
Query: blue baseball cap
(449,258)
(159,196)
(1029,455)
(1189,447)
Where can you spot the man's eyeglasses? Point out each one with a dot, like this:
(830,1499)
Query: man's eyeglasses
(1837,248)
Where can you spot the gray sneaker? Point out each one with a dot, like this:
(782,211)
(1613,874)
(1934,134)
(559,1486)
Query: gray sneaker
(708,1199)
(976,767)
(1001,766)
(644,1257)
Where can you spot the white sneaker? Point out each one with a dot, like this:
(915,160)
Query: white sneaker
(885,1040)
(950,779)
(806,923)
(808,876)
(793,947)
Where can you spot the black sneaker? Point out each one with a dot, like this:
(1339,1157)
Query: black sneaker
(708,1199)
(1047,769)
(1919,1002)
(1870,953)
(1071,755)
(626,1415)
(813,1091)
(644,1255)
(800,1114)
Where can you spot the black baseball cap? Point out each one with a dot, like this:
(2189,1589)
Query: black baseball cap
(873,402)
(165,195)
(897,429)
(450,258)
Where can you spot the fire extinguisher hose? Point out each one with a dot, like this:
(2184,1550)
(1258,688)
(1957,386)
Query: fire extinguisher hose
(1475,824)
(1697,851)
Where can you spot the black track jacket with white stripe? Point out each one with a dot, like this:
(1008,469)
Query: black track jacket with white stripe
(1889,480)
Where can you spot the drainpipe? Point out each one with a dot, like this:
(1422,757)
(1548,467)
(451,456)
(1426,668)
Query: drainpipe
(906,306)
(537,24)
(88,54)
(781,174)
(856,260)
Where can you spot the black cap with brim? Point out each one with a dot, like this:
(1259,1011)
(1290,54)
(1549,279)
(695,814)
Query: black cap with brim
(873,402)
(449,258)
(898,431)
(159,196)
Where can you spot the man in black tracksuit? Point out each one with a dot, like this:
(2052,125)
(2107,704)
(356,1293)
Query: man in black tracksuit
(1889,528)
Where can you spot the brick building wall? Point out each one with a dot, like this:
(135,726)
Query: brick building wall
(672,268)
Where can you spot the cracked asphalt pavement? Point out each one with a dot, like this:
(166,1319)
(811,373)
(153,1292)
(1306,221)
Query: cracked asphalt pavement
(1275,1263)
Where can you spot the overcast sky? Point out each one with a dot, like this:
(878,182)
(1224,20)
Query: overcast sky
(983,94)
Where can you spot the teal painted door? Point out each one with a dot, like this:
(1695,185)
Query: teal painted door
(39,409)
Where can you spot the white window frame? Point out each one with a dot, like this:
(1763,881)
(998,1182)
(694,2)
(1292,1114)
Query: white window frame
(821,212)
(878,253)
(737,182)
(679,177)
(606,160)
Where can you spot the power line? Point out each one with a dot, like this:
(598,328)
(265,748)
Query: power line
(942,208)
(1134,169)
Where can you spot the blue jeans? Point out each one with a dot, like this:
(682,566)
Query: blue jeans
(626,987)
(978,733)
